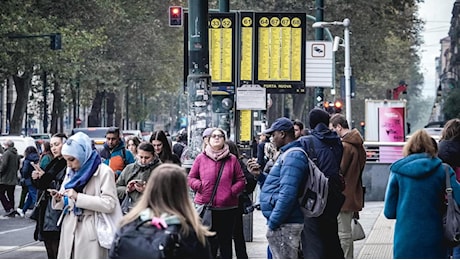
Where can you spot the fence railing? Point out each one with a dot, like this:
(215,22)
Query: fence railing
(386,152)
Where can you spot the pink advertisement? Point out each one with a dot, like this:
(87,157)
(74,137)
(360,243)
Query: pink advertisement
(391,129)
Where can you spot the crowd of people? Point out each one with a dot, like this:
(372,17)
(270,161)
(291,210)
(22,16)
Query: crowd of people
(70,184)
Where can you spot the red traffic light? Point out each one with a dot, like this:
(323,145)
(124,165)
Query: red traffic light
(338,104)
(175,16)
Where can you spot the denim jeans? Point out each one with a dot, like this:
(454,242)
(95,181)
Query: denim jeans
(31,198)
(284,242)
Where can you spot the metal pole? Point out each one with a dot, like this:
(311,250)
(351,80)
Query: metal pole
(45,104)
(319,36)
(347,71)
(224,5)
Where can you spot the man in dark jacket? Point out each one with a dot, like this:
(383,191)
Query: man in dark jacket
(320,237)
(279,189)
(8,175)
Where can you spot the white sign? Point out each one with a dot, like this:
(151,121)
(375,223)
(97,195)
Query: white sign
(319,64)
(251,97)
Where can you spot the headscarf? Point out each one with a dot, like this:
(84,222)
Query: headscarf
(79,146)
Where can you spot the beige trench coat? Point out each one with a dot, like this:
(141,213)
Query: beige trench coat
(79,239)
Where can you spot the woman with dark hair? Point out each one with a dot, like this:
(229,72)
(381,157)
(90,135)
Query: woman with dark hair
(251,182)
(30,158)
(134,177)
(51,177)
(46,156)
(203,178)
(165,201)
(132,142)
(160,142)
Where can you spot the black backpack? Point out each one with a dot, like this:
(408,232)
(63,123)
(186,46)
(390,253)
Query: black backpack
(139,240)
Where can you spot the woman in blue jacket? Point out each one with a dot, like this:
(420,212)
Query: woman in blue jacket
(415,198)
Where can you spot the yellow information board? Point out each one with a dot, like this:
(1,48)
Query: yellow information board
(246,46)
(280,51)
(222,47)
(245,125)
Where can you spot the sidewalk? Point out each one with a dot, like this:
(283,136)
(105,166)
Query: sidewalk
(378,243)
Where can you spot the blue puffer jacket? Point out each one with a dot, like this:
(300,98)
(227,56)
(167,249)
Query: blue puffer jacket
(279,189)
(415,198)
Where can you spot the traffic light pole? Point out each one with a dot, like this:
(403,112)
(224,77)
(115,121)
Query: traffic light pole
(198,79)
(319,32)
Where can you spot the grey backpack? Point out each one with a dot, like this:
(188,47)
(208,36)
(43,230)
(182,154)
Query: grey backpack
(312,196)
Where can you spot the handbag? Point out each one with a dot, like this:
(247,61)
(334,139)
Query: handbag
(357,231)
(451,219)
(126,204)
(246,203)
(204,211)
(106,223)
(35,211)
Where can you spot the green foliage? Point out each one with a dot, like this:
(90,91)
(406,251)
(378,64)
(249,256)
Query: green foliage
(451,108)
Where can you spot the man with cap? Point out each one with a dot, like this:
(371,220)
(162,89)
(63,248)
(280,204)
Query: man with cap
(320,237)
(278,198)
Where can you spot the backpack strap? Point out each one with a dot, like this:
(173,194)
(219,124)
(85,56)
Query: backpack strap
(311,150)
(123,154)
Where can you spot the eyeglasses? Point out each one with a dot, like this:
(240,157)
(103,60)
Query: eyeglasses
(217,136)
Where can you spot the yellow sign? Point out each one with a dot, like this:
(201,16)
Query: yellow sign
(245,125)
(280,47)
(246,48)
(221,49)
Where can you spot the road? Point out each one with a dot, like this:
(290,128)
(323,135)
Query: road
(16,236)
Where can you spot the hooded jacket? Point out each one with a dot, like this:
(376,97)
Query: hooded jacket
(415,198)
(352,166)
(117,158)
(9,167)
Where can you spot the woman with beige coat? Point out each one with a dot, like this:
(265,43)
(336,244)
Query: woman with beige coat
(89,187)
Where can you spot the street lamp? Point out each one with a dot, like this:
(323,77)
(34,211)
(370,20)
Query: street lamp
(347,69)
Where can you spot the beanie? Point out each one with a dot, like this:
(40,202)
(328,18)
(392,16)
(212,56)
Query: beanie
(317,116)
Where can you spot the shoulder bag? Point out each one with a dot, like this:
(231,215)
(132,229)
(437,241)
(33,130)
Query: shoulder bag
(205,211)
(451,219)
(106,223)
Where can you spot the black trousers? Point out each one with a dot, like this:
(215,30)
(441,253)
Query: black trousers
(8,199)
(223,223)
(320,238)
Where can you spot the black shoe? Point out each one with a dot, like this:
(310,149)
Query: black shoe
(12,214)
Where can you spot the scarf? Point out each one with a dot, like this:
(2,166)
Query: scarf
(80,178)
(217,155)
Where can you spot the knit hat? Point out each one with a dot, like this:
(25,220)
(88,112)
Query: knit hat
(317,116)
(207,132)
(78,146)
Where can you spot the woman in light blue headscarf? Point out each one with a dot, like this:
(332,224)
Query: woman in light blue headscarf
(89,187)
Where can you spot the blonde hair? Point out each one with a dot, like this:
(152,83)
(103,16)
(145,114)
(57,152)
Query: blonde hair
(451,130)
(420,142)
(166,191)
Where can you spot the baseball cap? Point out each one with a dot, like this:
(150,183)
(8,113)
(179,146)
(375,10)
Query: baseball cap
(280,124)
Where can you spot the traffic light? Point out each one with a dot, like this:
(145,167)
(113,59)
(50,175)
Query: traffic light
(55,41)
(175,16)
(338,106)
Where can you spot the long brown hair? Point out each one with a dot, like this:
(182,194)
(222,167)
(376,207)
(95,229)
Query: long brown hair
(451,130)
(166,191)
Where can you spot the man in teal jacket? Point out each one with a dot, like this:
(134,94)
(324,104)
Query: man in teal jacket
(114,153)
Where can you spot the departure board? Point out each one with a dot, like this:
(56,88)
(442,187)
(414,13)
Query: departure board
(222,29)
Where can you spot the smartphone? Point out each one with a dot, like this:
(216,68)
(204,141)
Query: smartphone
(52,191)
(139,182)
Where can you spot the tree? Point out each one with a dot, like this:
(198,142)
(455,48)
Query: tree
(451,108)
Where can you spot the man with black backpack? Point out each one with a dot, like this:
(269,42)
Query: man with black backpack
(279,191)
(320,235)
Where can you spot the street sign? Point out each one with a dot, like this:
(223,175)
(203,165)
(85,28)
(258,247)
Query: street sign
(319,64)
(280,52)
(222,46)
(251,97)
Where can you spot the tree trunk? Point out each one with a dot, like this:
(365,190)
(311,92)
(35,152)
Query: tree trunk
(22,85)
(299,106)
(94,117)
(56,113)
(118,109)
(110,108)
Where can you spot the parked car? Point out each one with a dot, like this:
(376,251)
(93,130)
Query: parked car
(97,134)
(20,142)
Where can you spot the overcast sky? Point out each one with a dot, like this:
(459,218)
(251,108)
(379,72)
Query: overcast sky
(437,15)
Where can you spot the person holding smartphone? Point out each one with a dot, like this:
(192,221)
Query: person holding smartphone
(88,187)
(48,181)
(132,180)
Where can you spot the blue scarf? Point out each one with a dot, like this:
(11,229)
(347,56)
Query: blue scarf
(80,178)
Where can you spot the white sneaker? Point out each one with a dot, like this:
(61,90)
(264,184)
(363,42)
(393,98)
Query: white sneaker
(20,212)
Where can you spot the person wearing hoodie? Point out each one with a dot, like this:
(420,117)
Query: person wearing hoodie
(415,198)
(320,237)
(351,166)
(30,157)
(114,153)
(8,176)
(133,178)
(449,152)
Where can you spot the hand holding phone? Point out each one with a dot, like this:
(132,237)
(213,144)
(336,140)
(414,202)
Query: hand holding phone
(53,192)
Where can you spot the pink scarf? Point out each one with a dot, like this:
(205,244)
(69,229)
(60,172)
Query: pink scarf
(217,155)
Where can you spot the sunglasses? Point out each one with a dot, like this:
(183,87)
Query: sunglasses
(217,136)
